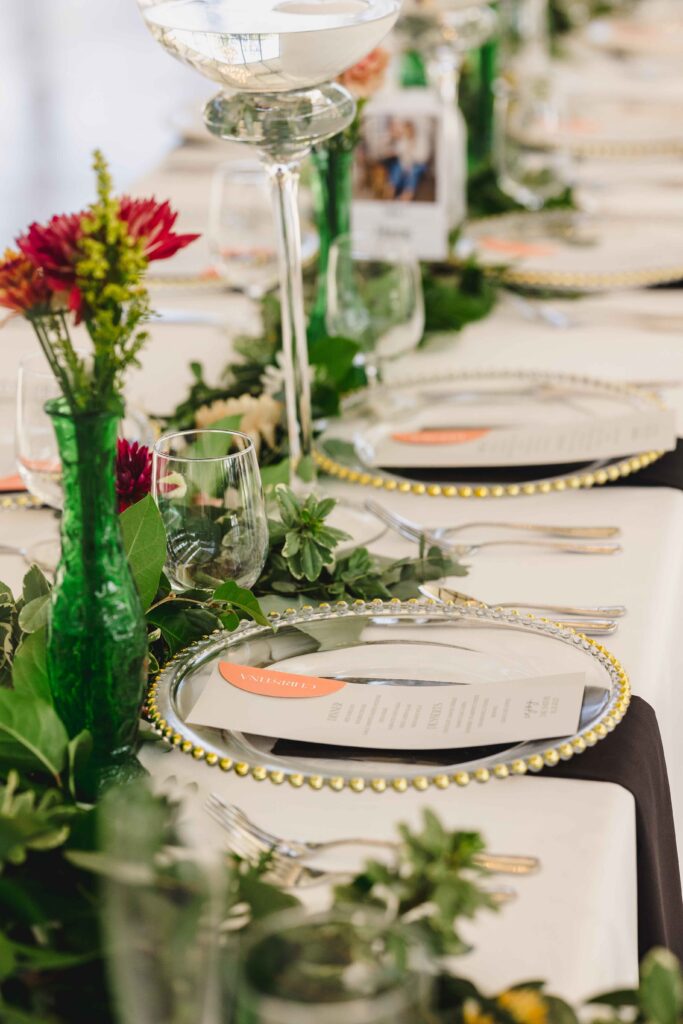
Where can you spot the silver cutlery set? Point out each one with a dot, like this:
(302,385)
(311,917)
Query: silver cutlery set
(289,859)
(594,620)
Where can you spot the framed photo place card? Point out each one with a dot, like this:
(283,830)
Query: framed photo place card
(402,187)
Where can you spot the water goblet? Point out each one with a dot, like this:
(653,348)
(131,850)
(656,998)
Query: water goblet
(375,297)
(207,486)
(241,232)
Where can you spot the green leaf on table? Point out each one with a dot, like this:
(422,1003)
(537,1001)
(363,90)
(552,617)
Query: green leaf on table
(661,988)
(8,617)
(29,668)
(144,541)
(278,473)
(341,451)
(32,736)
(288,505)
(181,624)
(34,615)
(35,585)
(241,598)
(78,755)
(306,469)
(8,959)
(333,357)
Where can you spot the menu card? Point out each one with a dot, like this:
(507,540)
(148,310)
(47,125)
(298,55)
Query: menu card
(441,441)
(422,716)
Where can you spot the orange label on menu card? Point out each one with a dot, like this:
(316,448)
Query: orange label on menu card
(509,247)
(267,682)
(12,483)
(439,436)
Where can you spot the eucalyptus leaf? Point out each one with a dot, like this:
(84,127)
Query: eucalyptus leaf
(32,736)
(144,541)
(29,668)
(34,615)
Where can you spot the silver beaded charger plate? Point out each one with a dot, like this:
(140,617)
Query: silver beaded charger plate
(387,643)
(346,448)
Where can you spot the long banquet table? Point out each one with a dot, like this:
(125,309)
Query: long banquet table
(575,923)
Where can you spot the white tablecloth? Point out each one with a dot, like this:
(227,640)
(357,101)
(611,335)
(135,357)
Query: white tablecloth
(574,923)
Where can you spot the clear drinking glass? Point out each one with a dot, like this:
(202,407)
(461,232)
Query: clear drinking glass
(241,230)
(162,910)
(329,968)
(532,162)
(207,486)
(35,443)
(374,295)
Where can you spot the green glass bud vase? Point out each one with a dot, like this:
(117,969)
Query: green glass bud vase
(476,97)
(331,184)
(97,640)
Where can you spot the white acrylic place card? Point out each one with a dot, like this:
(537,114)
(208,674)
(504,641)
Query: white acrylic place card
(443,437)
(428,716)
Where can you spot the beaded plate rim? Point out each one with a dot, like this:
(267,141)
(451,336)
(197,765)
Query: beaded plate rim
(575,280)
(593,476)
(167,725)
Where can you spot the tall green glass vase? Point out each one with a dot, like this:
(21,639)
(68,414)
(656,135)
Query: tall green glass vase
(332,189)
(97,640)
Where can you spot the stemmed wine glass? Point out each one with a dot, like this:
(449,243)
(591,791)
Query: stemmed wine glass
(241,232)
(532,161)
(274,60)
(375,297)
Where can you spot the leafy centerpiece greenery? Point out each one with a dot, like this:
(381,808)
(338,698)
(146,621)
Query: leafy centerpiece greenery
(86,270)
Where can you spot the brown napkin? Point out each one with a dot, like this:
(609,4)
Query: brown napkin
(633,757)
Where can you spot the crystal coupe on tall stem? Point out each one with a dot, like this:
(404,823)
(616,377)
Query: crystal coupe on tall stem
(274,60)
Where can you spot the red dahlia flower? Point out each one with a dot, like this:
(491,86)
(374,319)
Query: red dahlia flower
(152,223)
(22,285)
(54,248)
(133,472)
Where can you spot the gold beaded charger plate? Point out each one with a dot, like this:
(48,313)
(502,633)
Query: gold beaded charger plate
(616,128)
(572,251)
(381,644)
(348,448)
(654,33)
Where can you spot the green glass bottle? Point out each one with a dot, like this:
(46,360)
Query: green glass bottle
(97,640)
(331,184)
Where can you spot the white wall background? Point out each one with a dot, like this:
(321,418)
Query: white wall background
(75,74)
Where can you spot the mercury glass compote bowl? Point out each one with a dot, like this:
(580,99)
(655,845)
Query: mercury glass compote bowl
(274,60)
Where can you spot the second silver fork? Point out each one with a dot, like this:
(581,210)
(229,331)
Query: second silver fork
(417,533)
(250,836)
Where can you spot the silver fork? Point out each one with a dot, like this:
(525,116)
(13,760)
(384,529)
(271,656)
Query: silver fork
(237,823)
(416,532)
(608,611)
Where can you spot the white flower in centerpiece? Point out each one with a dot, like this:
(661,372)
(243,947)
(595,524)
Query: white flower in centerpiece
(259,416)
